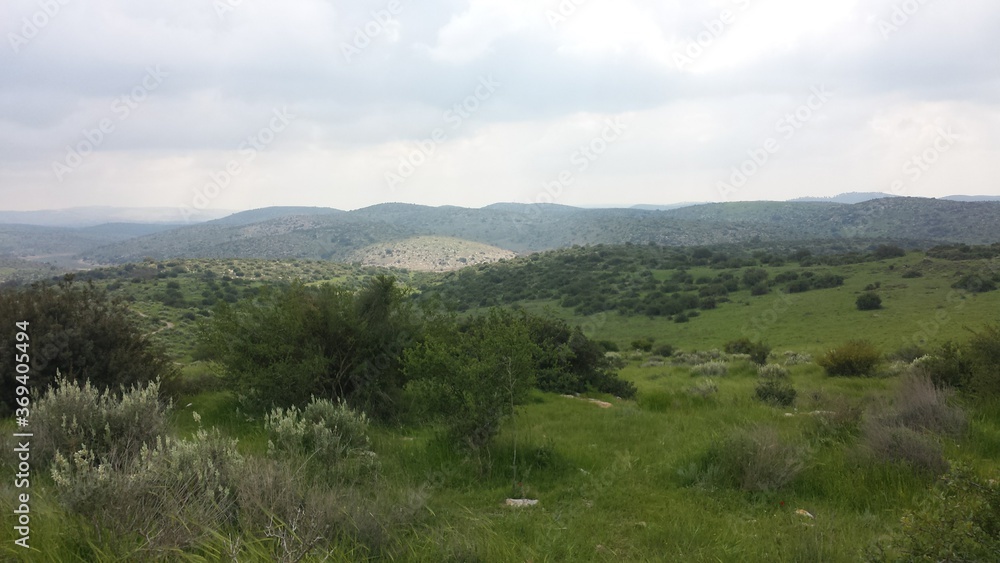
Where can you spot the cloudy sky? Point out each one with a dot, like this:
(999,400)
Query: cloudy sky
(237,104)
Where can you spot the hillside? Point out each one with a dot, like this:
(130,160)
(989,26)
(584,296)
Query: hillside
(430,254)
(329,234)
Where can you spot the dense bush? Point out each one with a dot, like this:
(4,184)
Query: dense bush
(758,351)
(80,331)
(293,343)
(868,301)
(885,442)
(113,428)
(329,436)
(958,521)
(973,366)
(854,358)
(173,494)
(710,369)
(774,386)
(471,380)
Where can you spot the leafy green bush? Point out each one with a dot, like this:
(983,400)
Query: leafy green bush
(775,387)
(472,380)
(958,521)
(868,301)
(973,366)
(664,350)
(329,436)
(112,428)
(854,358)
(644,344)
(758,351)
(79,331)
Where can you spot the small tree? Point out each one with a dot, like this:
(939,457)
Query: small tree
(472,379)
(868,301)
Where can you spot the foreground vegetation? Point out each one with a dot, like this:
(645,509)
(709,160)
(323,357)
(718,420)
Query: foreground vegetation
(350,422)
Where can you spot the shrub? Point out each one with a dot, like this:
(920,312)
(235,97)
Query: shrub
(711,369)
(112,429)
(974,283)
(664,350)
(796,358)
(774,387)
(645,344)
(868,301)
(753,459)
(920,405)
(758,351)
(910,274)
(80,332)
(885,442)
(958,521)
(854,358)
(908,353)
(328,436)
(774,391)
(172,494)
(704,388)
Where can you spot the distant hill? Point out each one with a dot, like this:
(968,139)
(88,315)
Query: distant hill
(92,216)
(848,198)
(267,213)
(430,254)
(972,198)
(335,235)
(331,234)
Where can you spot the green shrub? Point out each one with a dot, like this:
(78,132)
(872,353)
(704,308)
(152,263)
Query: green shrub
(644,344)
(958,521)
(172,494)
(71,417)
(868,301)
(774,387)
(329,436)
(704,388)
(854,358)
(80,332)
(664,350)
(758,351)
(919,405)
(778,392)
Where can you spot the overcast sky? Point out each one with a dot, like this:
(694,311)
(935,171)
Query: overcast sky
(237,104)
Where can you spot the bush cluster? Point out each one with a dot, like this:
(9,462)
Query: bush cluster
(330,437)
(758,351)
(775,386)
(111,427)
(854,358)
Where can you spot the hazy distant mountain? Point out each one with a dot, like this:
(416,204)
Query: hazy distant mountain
(666,207)
(972,198)
(337,235)
(91,216)
(267,213)
(849,198)
(331,234)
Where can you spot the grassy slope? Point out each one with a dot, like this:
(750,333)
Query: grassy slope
(613,482)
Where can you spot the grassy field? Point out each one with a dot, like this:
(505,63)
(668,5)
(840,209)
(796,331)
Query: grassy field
(630,482)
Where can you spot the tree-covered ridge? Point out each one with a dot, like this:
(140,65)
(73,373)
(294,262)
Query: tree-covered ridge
(646,279)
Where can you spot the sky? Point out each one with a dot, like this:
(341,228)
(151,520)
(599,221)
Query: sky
(240,104)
